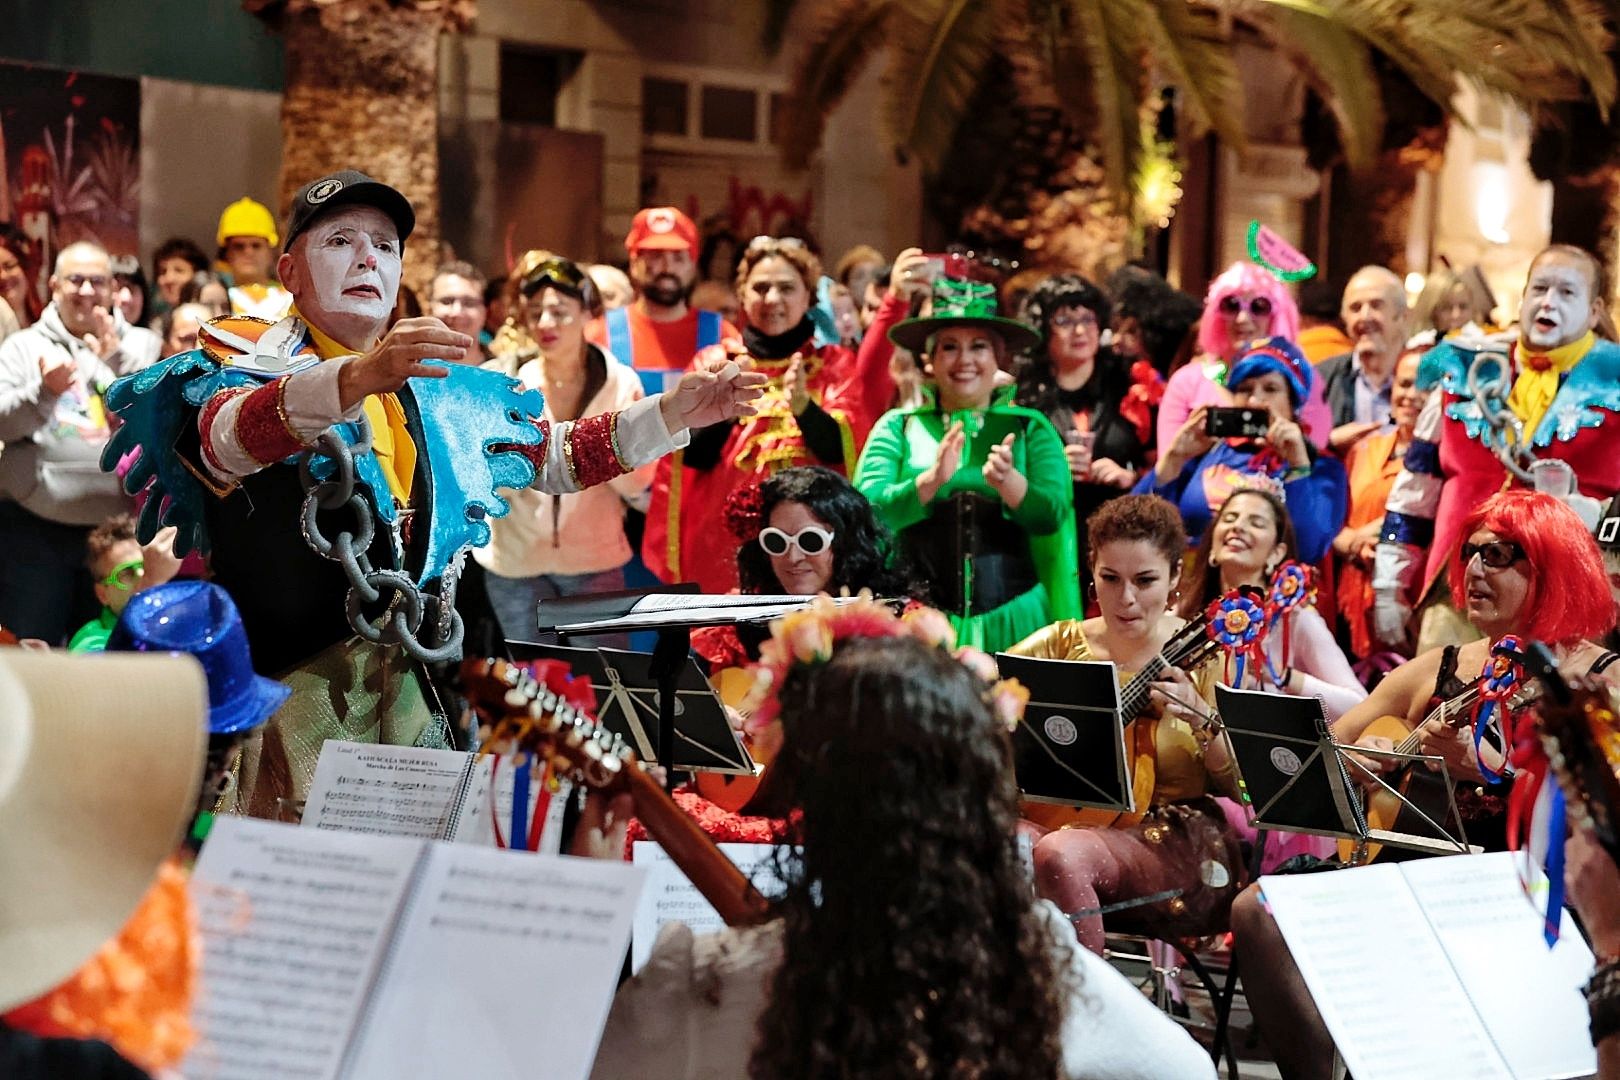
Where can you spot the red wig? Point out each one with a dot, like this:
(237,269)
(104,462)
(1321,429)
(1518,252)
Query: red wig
(1569,597)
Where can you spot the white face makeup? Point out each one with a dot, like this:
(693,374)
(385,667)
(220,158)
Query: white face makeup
(1558,304)
(344,274)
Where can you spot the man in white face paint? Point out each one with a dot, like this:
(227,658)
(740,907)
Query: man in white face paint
(268,393)
(1563,391)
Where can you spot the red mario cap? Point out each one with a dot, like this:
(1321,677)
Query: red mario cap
(662,228)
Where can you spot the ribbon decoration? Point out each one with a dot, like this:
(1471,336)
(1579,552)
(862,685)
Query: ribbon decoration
(1237,623)
(526,829)
(1293,587)
(1499,678)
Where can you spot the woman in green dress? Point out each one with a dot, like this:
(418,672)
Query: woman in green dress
(976,488)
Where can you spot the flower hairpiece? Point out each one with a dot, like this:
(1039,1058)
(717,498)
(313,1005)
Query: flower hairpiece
(809,636)
(744,512)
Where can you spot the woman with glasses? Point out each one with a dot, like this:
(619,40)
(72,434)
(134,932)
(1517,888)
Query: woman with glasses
(818,407)
(1527,567)
(563,545)
(1246,302)
(977,488)
(1100,404)
(1197,470)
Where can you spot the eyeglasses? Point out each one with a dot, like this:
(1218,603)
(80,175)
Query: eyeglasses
(810,540)
(97,281)
(1498,554)
(1231,304)
(558,273)
(1070,322)
(125,575)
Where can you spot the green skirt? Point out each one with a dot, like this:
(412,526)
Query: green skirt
(1001,628)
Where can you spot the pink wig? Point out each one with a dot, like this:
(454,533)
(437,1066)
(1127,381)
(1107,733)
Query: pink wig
(1245,278)
(1569,597)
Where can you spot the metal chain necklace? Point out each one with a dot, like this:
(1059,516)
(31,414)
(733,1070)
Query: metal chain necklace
(424,623)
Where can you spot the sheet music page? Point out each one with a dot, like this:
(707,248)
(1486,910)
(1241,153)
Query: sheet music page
(1380,979)
(504,968)
(386,790)
(293,923)
(670,897)
(1529,996)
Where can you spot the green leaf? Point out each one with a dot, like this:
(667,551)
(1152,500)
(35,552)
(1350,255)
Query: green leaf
(838,50)
(941,51)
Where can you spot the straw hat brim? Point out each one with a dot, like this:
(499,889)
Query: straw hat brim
(913,334)
(100,761)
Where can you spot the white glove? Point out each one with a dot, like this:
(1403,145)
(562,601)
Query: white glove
(1389,621)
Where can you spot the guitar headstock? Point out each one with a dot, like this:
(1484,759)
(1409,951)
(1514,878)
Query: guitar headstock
(521,713)
(1579,728)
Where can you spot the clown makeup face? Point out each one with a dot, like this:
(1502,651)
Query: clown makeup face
(1245,545)
(1559,306)
(1269,391)
(1134,581)
(344,274)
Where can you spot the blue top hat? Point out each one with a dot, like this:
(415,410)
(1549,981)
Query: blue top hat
(200,618)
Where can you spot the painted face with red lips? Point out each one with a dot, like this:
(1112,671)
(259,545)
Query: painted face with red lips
(344,274)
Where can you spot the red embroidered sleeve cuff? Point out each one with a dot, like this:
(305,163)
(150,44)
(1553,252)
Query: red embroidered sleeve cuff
(263,428)
(592,449)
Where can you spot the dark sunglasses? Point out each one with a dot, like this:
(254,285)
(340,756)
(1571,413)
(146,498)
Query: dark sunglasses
(1498,554)
(1231,304)
(558,273)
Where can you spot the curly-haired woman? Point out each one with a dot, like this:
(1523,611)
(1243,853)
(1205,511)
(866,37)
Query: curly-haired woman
(1101,405)
(907,941)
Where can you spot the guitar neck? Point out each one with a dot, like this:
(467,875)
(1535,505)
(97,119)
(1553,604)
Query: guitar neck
(1186,650)
(725,887)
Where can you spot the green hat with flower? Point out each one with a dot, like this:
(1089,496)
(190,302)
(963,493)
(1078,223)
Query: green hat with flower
(963,303)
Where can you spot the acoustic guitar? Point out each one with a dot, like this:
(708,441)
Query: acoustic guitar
(1419,787)
(518,714)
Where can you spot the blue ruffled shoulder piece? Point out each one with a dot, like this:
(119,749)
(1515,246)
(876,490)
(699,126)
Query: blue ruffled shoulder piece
(156,405)
(1591,390)
(457,423)
(1447,366)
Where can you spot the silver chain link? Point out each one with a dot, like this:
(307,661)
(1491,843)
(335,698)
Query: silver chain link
(1504,432)
(408,607)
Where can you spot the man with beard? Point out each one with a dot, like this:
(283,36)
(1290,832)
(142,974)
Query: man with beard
(1357,384)
(226,429)
(1563,389)
(660,331)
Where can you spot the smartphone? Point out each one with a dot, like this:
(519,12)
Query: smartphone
(1235,423)
(945,264)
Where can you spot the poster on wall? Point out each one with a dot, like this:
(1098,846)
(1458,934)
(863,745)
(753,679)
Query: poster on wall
(69,163)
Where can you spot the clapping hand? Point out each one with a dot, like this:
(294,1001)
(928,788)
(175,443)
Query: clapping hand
(103,341)
(1000,473)
(793,384)
(57,375)
(946,461)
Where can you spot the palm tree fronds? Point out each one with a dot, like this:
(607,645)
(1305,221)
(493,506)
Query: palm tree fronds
(941,50)
(778,13)
(1109,36)
(1187,44)
(1338,64)
(838,51)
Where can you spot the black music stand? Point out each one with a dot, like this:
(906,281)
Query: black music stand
(1069,748)
(1296,778)
(674,612)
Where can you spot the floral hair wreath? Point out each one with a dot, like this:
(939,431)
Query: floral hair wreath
(744,512)
(810,635)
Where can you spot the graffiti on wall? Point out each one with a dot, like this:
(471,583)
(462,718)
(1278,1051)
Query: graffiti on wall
(69,162)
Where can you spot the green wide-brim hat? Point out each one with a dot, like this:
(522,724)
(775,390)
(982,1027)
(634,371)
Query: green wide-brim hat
(963,303)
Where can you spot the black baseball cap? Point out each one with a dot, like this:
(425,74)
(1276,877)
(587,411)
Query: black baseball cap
(347,188)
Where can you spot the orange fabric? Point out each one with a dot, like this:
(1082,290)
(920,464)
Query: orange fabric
(135,993)
(1373,467)
(1318,343)
(658,345)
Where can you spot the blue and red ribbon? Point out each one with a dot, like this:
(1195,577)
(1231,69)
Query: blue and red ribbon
(1237,623)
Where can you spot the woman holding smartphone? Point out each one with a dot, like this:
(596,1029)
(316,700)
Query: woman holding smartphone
(977,489)
(1200,469)
(1102,405)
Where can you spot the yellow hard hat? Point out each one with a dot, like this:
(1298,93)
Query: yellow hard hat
(244,217)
